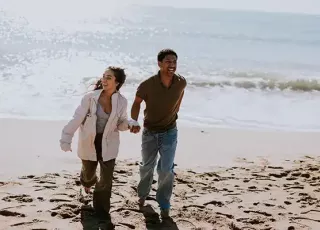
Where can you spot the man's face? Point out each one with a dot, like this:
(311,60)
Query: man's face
(168,65)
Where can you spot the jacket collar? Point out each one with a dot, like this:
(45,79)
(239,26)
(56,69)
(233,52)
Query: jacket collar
(97,94)
(113,115)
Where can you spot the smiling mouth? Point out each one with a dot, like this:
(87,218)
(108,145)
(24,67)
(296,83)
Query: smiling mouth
(171,69)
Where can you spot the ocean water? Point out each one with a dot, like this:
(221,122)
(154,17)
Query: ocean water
(244,69)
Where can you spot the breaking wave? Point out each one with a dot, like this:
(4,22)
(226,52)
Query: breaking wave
(301,85)
(294,85)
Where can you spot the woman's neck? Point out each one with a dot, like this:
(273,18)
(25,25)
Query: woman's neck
(108,93)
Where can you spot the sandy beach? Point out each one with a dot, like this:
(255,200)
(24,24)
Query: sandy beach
(225,179)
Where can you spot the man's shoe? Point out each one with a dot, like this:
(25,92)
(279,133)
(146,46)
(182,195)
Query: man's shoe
(164,213)
(141,202)
(106,225)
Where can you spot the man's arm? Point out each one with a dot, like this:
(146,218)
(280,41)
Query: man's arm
(135,109)
(180,100)
(141,95)
(184,82)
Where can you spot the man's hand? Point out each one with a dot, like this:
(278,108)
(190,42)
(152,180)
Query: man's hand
(135,129)
(134,126)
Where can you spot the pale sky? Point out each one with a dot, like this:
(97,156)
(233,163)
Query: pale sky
(298,6)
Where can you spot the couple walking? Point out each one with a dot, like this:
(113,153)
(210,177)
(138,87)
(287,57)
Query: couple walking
(103,113)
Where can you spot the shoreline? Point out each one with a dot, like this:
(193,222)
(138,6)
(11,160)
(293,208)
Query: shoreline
(183,123)
(33,146)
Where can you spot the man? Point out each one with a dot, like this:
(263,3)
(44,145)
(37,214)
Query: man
(162,94)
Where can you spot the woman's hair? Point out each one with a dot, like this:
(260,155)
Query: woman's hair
(119,74)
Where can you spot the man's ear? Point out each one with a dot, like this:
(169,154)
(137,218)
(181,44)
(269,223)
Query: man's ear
(160,64)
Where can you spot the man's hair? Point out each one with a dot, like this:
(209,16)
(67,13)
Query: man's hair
(163,53)
(119,74)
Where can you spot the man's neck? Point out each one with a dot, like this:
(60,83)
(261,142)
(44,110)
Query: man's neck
(166,79)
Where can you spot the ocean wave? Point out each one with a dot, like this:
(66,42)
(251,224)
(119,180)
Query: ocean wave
(293,85)
(301,85)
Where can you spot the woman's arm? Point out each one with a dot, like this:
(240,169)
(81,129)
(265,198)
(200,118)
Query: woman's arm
(78,117)
(123,124)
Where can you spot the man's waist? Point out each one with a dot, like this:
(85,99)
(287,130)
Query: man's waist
(160,129)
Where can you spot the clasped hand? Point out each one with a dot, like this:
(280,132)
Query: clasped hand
(134,126)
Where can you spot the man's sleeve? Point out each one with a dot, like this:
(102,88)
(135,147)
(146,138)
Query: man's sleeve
(184,82)
(142,91)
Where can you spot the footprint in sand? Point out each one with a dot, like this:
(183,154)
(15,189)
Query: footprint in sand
(66,211)
(8,213)
(27,223)
(23,198)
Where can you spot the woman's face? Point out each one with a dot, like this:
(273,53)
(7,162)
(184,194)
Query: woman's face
(109,81)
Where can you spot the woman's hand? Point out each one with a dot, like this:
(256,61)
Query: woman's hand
(66,147)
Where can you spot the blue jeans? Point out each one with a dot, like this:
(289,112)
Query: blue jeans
(165,143)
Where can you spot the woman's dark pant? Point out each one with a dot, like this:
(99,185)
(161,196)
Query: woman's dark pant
(88,178)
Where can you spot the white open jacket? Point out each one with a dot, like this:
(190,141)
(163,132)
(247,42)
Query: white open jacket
(85,118)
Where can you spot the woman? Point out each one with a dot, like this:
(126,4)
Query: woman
(100,116)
